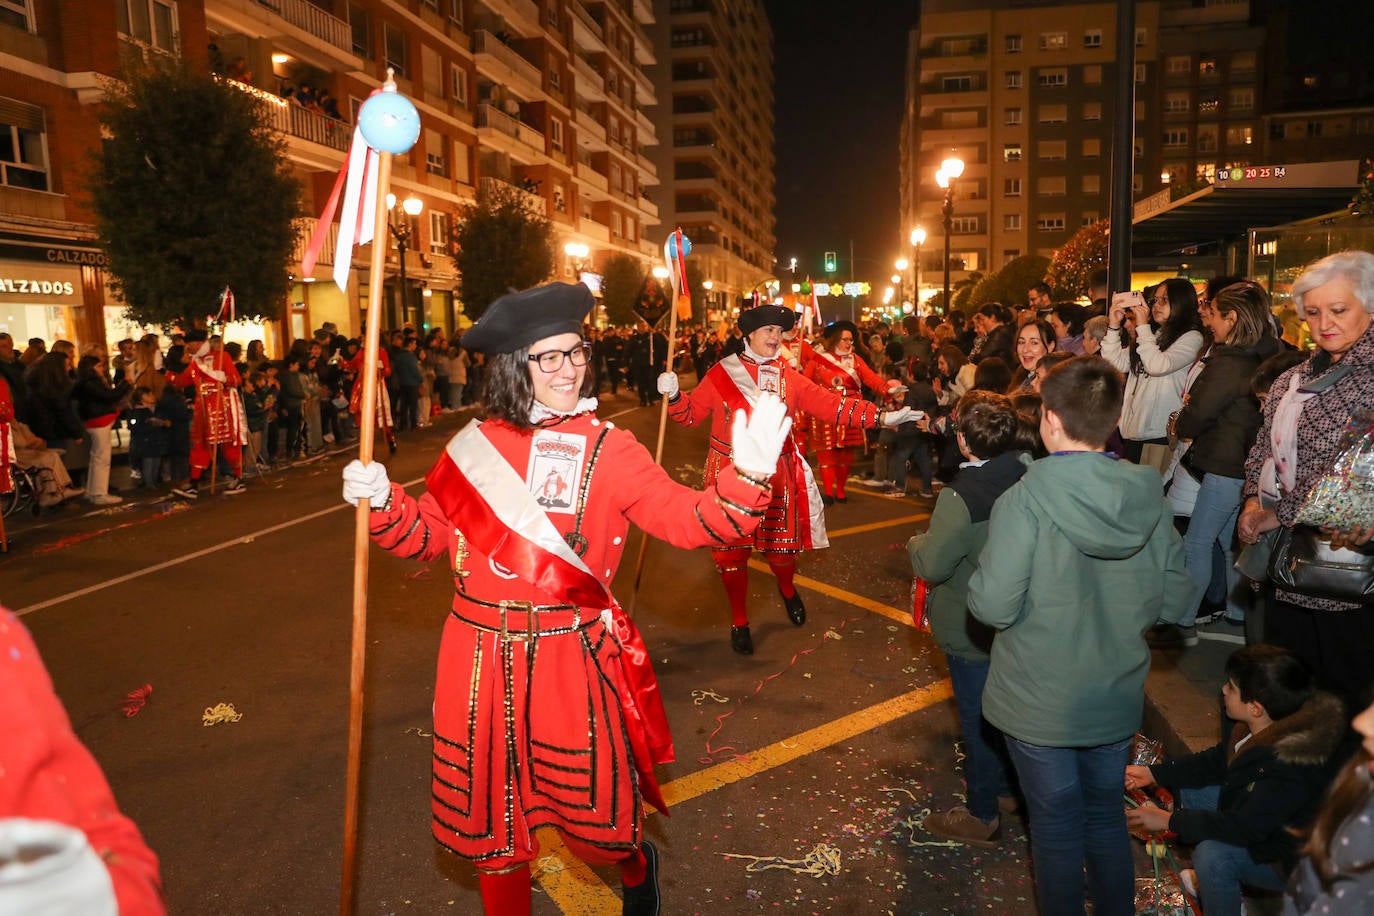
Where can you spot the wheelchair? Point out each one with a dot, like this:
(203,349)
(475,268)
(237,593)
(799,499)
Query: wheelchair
(28,486)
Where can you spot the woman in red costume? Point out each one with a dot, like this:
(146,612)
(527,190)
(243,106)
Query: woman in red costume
(355,397)
(546,711)
(841,370)
(795,521)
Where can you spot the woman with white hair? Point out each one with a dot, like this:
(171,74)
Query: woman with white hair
(1306,413)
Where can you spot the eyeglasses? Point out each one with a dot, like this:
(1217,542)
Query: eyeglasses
(552,360)
(846,339)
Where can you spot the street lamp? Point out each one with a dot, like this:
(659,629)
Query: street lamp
(401,231)
(578,252)
(918,238)
(945,177)
(899,278)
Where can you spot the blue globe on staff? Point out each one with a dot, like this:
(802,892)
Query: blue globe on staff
(389,123)
(672,246)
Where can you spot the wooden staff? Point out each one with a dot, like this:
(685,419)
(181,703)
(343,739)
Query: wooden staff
(361,531)
(662,428)
(210,435)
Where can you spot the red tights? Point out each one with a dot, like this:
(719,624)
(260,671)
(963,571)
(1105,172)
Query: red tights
(507,893)
(733,564)
(835,463)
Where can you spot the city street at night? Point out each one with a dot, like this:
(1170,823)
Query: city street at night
(802,775)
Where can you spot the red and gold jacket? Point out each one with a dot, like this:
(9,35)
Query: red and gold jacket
(827,371)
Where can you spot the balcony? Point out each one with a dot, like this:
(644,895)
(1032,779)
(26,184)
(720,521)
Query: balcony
(533,202)
(504,64)
(521,15)
(648,207)
(588,126)
(587,32)
(599,232)
(591,176)
(644,87)
(305,228)
(643,11)
(644,48)
(298,26)
(648,171)
(496,122)
(647,135)
(590,82)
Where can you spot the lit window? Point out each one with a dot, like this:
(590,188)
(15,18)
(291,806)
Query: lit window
(1054,41)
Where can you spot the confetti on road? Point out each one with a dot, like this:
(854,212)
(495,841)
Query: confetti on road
(822,860)
(136,700)
(220,712)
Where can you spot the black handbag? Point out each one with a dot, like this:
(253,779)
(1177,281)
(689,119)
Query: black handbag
(1304,562)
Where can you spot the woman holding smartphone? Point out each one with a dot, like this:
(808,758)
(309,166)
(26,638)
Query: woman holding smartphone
(1167,341)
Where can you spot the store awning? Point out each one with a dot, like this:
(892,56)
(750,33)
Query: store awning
(1245,199)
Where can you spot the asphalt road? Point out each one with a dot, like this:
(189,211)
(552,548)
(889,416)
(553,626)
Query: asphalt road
(802,776)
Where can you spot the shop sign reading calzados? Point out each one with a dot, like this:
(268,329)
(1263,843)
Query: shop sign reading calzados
(36,287)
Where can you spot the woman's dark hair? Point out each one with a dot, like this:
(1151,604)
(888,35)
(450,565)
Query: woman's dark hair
(954,359)
(88,367)
(508,391)
(996,311)
(1183,316)
(917,370)
(1028,407)
(1072,314)
(1349,795)
(993,374)
(47,377)
(1269,370)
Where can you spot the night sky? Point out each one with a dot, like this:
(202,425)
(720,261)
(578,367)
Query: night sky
(839,97)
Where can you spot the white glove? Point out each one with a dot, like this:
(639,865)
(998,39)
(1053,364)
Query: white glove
(365,481)
(902,415)
(667,384)
(758,438)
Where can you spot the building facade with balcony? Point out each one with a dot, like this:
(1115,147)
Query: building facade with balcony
(1023,94)
(715,117)
(501,87)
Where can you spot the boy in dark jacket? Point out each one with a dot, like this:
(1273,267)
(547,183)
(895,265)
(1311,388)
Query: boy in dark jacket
(1245,801)
(148,435)
(909,441)
(946,557)
(173,408)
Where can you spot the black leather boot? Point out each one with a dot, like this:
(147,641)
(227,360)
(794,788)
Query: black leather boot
(741,641)
(796,610)
(642,899)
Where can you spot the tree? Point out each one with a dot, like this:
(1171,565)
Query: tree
(503,244)
(1008,286)
(192,192)
(1072,264)
(622,280)
(962,292)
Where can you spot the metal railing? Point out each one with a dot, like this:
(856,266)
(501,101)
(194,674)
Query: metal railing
(532,201)
(308,125)
(312,19)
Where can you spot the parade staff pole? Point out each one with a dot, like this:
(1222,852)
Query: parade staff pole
(388,125)
(675,252)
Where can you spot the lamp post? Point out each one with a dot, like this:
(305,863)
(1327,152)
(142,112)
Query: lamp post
(918,238)
(945,177)
(901,264)
(401,231)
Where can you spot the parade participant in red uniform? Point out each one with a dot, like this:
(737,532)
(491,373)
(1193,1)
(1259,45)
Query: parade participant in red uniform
(569,742)
(795,521)
(218,420)
(841,370)
(355,397)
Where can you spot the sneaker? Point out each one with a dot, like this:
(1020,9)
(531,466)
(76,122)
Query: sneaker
(958,824)
(235,485)
(875,482)
(927,494)
(135,476)
(1169,636)
(109,499)
(187,492)
(1222,629)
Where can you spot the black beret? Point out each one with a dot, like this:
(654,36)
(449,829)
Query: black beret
(761,316)
(196,336)
(517,320)
(835,328)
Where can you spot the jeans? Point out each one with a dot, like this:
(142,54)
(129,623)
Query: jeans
(1073,798)
(98,471)
(986,766)
(909,446)
(150,467)
(1214,522)
(1222,868)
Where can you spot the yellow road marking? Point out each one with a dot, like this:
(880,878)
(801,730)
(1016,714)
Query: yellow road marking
(859,601)
(577,890)
(890,523)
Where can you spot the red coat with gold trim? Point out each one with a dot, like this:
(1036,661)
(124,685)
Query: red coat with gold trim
(524,739)
(828,372)
(788,525)
(218,417)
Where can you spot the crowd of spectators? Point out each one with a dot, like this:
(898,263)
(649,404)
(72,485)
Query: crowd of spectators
(69,411)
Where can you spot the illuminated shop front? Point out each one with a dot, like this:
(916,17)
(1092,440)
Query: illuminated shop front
(50,292)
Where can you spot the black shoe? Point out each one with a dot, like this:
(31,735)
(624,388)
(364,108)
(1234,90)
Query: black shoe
(796,610)
(741,641)
(841,499)
(827,499)
(642,899)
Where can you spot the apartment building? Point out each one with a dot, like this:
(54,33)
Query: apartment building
(715,84)
(547,97)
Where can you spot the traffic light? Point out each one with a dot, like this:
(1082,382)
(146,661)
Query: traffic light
(830,262)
